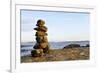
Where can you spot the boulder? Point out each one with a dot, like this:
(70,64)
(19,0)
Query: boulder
(36,46)
(72,46)
(41,39)
(46,50)
(40,23)
(42,28)
(45,39)
(43,45)
(37,53)
(40,33)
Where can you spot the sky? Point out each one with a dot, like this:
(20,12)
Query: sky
(62,26)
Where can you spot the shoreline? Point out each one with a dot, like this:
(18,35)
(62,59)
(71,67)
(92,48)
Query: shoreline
(66,54)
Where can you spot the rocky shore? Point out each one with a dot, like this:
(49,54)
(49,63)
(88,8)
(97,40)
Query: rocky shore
(65,54)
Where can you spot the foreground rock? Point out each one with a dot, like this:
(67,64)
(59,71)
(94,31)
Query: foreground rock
(37,53)
(60,55)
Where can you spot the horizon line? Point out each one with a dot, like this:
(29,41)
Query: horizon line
(57,41)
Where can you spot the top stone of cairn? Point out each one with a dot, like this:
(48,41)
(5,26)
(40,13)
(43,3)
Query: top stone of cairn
(40,23)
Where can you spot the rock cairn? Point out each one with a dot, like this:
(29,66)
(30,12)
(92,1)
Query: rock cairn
(42,45)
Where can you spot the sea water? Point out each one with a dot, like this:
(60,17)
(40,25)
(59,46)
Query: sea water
(26,47)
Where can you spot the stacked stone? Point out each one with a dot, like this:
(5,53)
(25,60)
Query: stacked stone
(42,45)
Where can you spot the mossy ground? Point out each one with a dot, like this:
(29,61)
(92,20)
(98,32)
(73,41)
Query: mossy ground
(59,55)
